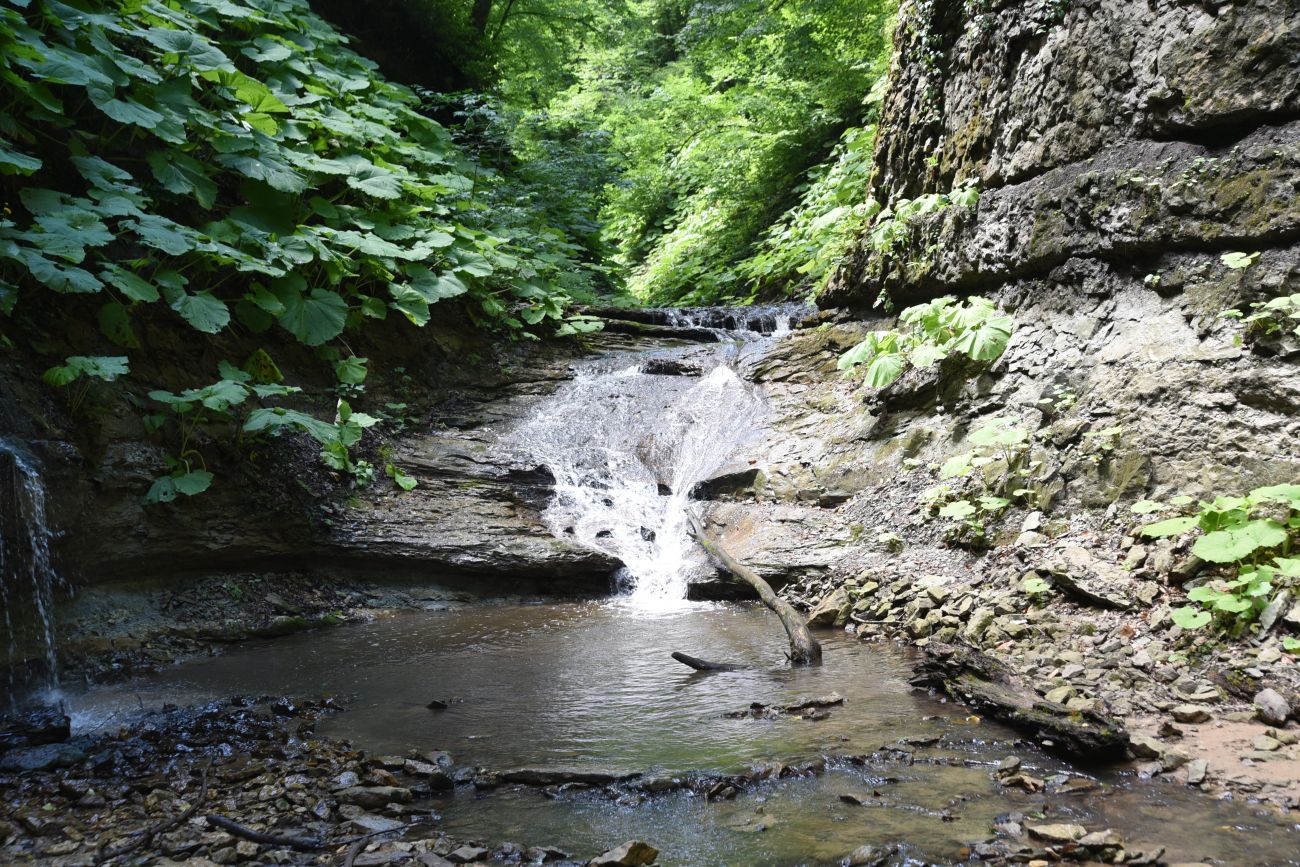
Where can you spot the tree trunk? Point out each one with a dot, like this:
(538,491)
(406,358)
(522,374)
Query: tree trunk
(479,14)
(804,649)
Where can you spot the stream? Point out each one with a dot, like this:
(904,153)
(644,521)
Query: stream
(591,686)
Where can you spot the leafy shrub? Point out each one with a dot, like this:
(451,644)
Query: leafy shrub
(999,470)
(1277,316)
(891,224)
(1250,537)
(928,334)
(234,161)
(802,248)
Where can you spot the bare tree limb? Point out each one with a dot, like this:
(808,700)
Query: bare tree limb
(804,649)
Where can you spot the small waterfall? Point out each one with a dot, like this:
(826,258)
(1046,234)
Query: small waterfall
(28,579)
(628,445)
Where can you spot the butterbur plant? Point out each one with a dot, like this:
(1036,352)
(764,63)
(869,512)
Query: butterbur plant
(81,370)
(929,333)
(193,411)
(1252,538)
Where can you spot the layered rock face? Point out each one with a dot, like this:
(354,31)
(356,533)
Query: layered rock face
(1121,149)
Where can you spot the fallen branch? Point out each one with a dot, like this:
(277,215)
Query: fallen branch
(804,649)
(302,844)
(152,831)
(704,664)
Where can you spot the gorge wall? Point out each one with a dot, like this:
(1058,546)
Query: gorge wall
(1121,149)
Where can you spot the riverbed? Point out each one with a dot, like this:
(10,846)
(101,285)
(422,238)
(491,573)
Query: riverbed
(590,686)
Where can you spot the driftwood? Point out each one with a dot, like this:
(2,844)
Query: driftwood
(303,844)
(991,688)
(804,649)
(704,664)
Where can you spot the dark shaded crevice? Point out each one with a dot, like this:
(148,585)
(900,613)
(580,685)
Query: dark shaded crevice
(1120,256)
(1219,137)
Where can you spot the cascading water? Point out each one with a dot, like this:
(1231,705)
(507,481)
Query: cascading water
(628,445)
(28,579)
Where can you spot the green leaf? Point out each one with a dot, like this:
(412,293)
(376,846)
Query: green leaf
(189,48)
(1190,618)
(411,303)
(958,510)
(1170,527)
(163,490)
(1145,507)
(14,162)
(181,174)
(958,465)
(1238,261)
(1237,543)
(316,318)
(131,285)
(193,482)
(377,182)
(105,367)
(351,370)
(885,369)
(262,368)
(986,342)
(115,324)
(203,311)
(399,476)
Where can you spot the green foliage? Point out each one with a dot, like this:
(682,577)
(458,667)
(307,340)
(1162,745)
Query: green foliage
(721,118)
(336,439)
(1250,538)
(929,333)
(193,414)
(1238,261)
(892,224)
(801,249)
(399,476)
(1277,316)
(236,162)
(105,368)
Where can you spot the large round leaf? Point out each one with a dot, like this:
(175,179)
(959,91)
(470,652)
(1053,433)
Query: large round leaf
(316,318)
(1238,543)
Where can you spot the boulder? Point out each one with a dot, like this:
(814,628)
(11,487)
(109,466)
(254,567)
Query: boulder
(1271,707)
(633,853)
(1060,833)
(832,610)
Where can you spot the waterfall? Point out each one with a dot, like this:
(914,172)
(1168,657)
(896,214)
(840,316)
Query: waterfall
(28,579)
(627,446)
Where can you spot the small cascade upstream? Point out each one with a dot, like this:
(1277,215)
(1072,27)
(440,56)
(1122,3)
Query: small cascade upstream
(28,579)
(631,437)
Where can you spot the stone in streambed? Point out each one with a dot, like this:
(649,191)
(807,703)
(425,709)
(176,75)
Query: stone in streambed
(466,854)
(1271,707)
(1190,713)
(373,797)
(870,856)
(1062,833)
(832,610)
(633,853)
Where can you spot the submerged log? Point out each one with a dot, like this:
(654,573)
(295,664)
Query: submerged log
(992,689)
(704,664)
(804,649)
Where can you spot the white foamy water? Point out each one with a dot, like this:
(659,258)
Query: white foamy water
(627,448)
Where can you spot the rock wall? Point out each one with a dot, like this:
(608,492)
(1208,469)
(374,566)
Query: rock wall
(1121,148)
(471,521)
